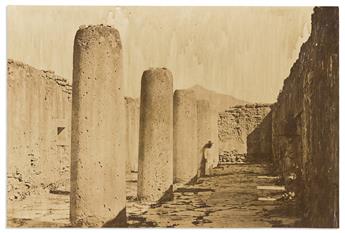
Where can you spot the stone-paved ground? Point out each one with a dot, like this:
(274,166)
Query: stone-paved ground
(227,199)
(45,210)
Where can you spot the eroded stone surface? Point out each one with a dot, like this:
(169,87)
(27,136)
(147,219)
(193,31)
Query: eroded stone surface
(155,177)
(98,154)
(39,108)
(185,136)
(132,131)
(204,133)
(305,120)
(246,129)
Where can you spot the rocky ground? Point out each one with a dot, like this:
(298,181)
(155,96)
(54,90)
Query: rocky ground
(228,198)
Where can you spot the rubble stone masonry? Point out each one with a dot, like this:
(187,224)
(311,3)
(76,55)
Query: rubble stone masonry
(39,108)
(245,130)
(305,123)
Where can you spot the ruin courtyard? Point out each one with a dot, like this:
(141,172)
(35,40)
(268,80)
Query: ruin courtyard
(83,154)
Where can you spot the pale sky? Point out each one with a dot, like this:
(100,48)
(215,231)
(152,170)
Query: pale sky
(245,52)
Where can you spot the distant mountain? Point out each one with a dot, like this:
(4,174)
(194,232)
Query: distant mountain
(218,101)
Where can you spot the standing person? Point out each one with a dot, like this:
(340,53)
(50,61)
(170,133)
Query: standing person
(206,162)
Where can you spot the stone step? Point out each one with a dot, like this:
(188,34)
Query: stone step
(267,199)
(271,187)
(269,177)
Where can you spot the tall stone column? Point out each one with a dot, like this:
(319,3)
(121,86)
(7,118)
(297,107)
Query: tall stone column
(155,177)
(98,194)
(185,136)
(204,128)
(132,107)
(214,137)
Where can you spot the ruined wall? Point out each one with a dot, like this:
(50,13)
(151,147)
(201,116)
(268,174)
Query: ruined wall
(39,108)
(39,115)
(245,129)
(306,122)
(259,141)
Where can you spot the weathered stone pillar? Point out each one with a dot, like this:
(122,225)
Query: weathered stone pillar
(98,194)
(155,177)
(185,136)
(214,137)
(204,128)
(132,107)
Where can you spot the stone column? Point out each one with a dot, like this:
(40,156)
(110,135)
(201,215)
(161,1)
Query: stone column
(185,136)
(214,137)
(132,107)
(204,128)
(155,177)
(98,195)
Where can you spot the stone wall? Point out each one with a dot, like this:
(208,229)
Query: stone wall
(39,108)
(39,121)
(306,123)
(245,129)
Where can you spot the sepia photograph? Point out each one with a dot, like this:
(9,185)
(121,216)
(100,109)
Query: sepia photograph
(158,116)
